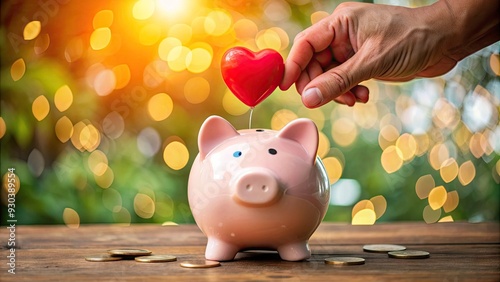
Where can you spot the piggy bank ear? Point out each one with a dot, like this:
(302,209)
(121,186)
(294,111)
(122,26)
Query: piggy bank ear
(213,132)
(305,132)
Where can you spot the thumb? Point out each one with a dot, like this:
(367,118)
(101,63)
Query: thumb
(336,84)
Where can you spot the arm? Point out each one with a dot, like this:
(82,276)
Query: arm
(361,41)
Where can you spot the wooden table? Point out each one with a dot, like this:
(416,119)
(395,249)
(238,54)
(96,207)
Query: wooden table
(459,252)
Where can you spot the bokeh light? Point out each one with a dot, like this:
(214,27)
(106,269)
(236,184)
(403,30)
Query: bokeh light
(198,60)
(449,170)
(379,205)
(176,155)
(3,127)
(333,168)
(71,218)
(362,205)
(160,106)
(31,30)
(388,136)
(391,159)
(282,118)
(17,70)
(232,105)
(424,186)
(148,142)
(74,50)
(98,162)
(105,179)
(103,18)
(217,23)
(36,162)
(143,9)
(112,200)
(318,16)
(345,192)
(437,197)
(121,75)
(144,206)
(63,98)
(113,125)
(364,217)
(40,107)
(196,90)
(466,173)
(105,82)
(431,215)
(100,38)
(452,200)
(41,44)
(344,132)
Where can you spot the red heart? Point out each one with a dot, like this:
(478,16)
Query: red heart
(251,76)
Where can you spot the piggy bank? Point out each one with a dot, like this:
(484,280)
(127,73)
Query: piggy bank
(258,189)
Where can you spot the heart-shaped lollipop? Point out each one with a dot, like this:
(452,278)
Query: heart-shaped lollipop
(251,76)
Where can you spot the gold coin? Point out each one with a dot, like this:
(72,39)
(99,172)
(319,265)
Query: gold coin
(200,263)
(345,260)
(101,258)
(409,254)
(383,248)
(129,252)
(156,258)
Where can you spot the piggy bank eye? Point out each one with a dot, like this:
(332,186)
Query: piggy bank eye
(272,151)
(237,154)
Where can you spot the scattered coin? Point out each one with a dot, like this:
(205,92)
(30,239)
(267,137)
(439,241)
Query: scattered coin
(156,258)
(200,263)
(383,248)
(409,254)
(129,252)
(345,260)
(102,257)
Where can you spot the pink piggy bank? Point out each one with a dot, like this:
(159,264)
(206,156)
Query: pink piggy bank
(258,189)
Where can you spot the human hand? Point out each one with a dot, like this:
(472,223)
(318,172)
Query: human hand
(361,41)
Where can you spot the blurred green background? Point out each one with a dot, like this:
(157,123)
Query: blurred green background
(101,102)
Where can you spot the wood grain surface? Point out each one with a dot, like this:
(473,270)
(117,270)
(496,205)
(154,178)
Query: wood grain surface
(459,252)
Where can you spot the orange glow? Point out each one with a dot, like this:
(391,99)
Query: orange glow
(100,38)
(437,197)
(333,169)
(40,107)
(31,30)
(17,69)
(63,98)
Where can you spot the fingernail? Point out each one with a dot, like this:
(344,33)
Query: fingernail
(350,100)
(362,97)
(312,97)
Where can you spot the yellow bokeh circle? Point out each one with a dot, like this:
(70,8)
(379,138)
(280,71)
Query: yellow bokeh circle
(176,155)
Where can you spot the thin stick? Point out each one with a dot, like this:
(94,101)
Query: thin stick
(250,119)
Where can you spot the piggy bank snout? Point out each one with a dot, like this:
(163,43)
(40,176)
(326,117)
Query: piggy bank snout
(256,187)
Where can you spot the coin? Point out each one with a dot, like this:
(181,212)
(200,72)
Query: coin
(200,263)
(101,258)
(409,254)
(156,258)
(345,260)
(383,248)
(129,252)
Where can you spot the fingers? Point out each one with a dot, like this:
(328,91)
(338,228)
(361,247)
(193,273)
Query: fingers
(358,94)
(324,64)
(339,83)
(312,40)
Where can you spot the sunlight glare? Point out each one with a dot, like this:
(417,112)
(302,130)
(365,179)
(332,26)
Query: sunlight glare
(171,7)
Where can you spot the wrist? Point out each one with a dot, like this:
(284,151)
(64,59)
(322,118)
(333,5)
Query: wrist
(466,26)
